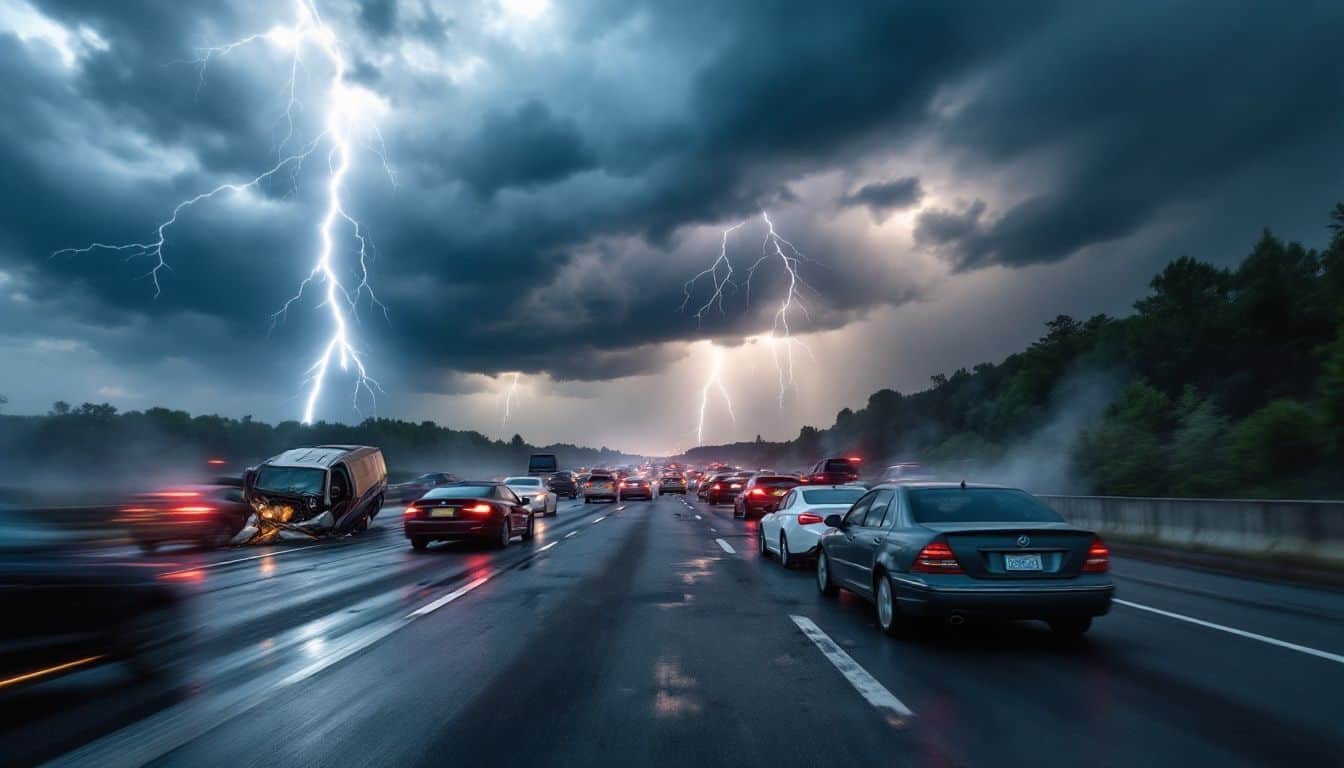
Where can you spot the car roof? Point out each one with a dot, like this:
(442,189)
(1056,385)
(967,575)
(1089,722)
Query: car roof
(529,478)
(322,456)
(945,484)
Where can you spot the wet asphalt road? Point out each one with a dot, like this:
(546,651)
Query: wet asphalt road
(653,634)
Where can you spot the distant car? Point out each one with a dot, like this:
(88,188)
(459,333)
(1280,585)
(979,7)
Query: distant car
(949,550)
(65,611)
(478,511)
(794,531)
(834,471)
(532,491)
(599,486)
(419,486)
(563,483)
(636,488)
(672,483)
(724,488)
(761,494)
(208,515)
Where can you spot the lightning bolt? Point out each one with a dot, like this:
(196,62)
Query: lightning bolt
(508,398)
(720,275)
(347,109)
(713,381)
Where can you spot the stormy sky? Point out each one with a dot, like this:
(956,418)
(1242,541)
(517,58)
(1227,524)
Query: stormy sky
(539,179)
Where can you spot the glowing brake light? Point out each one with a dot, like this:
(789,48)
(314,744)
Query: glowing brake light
(807,518)
(194,510)
(1098,558)
(175,494)
(936,557)
(855,459)
(756,492)
(478,509)
(411,511)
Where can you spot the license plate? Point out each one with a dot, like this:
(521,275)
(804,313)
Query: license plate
(780,492)
(445,512)
(1022,562)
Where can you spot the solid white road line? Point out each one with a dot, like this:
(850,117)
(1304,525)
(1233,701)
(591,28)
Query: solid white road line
(867,685)
(205,566)
(448,598)
(599,519)
(1335,657)
(726,547)
(571,533)
(548,546)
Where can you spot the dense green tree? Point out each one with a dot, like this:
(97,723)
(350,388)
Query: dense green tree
(1277,443)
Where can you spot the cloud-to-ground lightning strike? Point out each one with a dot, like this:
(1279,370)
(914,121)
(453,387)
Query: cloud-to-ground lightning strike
(508,398)
(720,274)
(346,107)
(713,381)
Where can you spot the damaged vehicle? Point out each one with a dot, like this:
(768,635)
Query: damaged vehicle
(305,493)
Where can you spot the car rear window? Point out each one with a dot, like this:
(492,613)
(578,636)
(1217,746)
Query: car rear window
(833,495)
(462,492)
(534,482)
(542,462)
(839,465)
(978,505)
(776,482)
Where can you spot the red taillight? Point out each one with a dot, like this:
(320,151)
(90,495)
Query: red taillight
(193,510)
(756,492)
(175,494)
(818,478)
(1098,558)
(716,486)
(478,509)
(936,557)
(807,518)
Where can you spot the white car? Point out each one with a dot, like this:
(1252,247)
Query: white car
(533,491)
(794,530)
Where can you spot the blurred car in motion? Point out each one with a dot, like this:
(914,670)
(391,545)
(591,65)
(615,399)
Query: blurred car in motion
(693,479)
(598,487)
(636,488)
(956,551)
(533,493)
(834,471)
(564,483)
(65,611)
(306,492)
(672,483)
(208,515)
(762,494)
(723,489)
(414,489)
(793,531)
(477,511)
(905,472)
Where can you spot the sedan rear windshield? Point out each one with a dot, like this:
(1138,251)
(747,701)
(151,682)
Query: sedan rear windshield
(522,481)
(978,505)
(462,492)
(833,496)
(294,480)
(776,482)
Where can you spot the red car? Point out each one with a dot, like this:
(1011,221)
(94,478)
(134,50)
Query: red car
(834,471)
(722,489)
(480,511)
(762,495)
(208,515)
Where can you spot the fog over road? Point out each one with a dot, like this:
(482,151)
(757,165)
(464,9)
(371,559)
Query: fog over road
(653,633)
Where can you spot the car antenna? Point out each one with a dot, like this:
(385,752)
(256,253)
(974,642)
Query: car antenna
(963,485)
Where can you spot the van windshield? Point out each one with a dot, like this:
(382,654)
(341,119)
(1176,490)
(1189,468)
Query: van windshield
(293,480)
(542,462)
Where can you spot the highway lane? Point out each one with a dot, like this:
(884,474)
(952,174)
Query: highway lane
(646,634)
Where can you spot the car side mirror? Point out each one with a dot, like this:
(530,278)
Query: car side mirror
(834,521)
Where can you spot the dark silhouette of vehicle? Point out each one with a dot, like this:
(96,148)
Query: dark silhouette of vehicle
(308,492)
(484,511)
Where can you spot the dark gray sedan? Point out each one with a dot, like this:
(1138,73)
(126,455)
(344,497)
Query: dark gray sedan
(957,551)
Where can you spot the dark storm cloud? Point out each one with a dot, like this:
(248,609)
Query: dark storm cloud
(882,198)
(524,147)
(616,138)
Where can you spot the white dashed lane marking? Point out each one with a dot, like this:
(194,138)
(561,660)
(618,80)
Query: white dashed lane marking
(726,547)
(868,687)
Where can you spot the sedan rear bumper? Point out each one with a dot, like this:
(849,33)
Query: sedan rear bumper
(453,530)
(991,601)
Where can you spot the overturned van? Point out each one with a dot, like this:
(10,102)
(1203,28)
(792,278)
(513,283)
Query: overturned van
(305,493)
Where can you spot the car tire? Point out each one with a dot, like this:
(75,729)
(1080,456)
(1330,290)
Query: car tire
(760,544)
(531,528)
(786,559)
(1071,626)
(587,500)
(888,616)
(419,543)
(505,534)
(824,583)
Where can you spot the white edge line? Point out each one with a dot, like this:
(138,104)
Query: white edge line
(207,566)
(726,547)
(448,598)
(1335,657)
(868,687)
